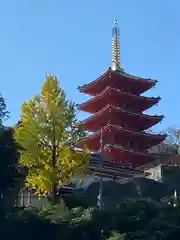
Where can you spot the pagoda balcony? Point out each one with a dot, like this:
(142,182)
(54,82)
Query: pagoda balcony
(120,99)
(119,80)
(116,135)
(116,154)
(119,117)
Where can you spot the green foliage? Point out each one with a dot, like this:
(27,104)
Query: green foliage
(11,178)
(48,133)
(3,110)
(116,236)
(55,213)
(158,221)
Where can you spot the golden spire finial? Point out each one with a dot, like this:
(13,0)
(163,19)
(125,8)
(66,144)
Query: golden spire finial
(115,48)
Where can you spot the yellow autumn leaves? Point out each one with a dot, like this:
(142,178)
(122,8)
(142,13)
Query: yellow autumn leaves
(48,133)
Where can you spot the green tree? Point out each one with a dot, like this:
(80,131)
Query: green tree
(48,133)
(11,178)
(3,110)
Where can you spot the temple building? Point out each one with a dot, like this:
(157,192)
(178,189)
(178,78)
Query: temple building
(119,138)
(118,127)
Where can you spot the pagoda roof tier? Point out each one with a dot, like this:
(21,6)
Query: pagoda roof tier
(119,80)
(97,171)
(116,97)
(119,117)
(118,136)
(111,170)
(119,155)
(95,164)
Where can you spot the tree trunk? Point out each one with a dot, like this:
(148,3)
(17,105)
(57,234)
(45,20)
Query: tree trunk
(54,186)
(54,194)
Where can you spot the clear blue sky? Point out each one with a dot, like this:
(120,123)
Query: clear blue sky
(72,39)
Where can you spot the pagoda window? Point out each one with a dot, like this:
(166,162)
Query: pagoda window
(128,145)
(129,90)
(131,144)
(130,165)
(121,146)
(114,177)
(136,148)
(141,148)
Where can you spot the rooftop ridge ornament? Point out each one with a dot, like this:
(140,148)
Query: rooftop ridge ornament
(116,64)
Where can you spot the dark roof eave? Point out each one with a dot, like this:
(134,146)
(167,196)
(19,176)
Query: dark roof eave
(100,96)
(161,137)
(158,118)
(154,82)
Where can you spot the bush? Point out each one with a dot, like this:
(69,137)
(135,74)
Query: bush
(116,236)
(130,220)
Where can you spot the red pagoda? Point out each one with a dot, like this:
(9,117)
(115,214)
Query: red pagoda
(117,114)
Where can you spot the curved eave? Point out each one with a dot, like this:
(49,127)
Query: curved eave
(151,82)
(120,149)
(122,73)
(107,90)
(102,77)
(110,108)
(160,137)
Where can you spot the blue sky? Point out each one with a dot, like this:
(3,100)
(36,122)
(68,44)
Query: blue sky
(72,40)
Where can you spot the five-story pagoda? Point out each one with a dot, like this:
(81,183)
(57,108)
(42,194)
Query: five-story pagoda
(117,108)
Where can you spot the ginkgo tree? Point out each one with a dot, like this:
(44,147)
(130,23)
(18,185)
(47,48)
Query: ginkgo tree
(48,133)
